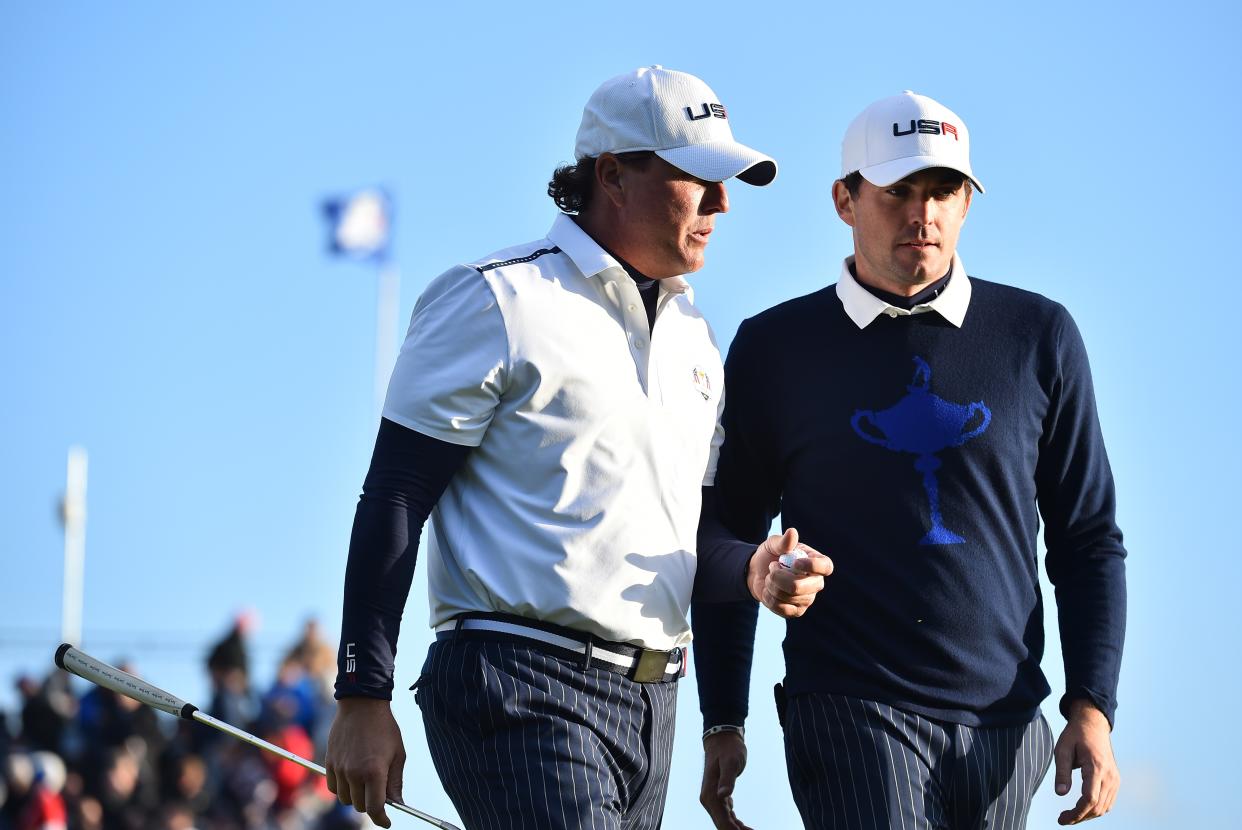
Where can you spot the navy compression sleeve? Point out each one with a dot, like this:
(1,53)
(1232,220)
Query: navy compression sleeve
(409,472)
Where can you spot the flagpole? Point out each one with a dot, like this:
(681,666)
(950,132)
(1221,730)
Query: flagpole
(388,296)
(360,227)
(73,516)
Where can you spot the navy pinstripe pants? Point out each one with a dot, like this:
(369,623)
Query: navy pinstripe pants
(524,739)
(859,765)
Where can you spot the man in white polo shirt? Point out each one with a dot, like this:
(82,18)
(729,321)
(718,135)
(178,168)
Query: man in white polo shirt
(557,404)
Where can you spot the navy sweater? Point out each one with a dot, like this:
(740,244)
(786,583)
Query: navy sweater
(920,457)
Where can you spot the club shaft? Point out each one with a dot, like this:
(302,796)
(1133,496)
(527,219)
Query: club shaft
(254,740)
(101,674)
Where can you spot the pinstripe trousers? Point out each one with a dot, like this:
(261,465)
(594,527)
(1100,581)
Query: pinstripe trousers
(524,739)
(859,765)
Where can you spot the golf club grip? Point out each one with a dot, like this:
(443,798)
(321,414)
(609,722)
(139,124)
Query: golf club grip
(110,677)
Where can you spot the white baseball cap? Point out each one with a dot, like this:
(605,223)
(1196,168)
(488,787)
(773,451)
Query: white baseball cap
(677,116)
(904,134)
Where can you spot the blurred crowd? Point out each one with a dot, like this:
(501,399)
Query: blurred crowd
(101,761)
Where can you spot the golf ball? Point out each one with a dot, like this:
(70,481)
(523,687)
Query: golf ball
(787,559)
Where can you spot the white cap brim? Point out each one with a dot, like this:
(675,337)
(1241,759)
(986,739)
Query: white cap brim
(889,172)
(716,161)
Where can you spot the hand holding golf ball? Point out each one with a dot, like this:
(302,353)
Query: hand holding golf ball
(786,575)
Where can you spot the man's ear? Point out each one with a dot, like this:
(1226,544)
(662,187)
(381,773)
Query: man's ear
(843,202)
(609,178)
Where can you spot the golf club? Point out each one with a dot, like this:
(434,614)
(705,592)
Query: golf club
(101,674)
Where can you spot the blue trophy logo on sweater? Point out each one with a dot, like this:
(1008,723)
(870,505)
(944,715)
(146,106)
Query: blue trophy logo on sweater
(924,424)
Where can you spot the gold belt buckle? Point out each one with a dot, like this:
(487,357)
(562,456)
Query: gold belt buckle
(651,666)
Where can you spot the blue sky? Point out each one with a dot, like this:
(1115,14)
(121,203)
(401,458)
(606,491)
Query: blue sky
(165,299)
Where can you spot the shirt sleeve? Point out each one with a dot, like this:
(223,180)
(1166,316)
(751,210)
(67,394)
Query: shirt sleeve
(408,474)
(1086,558)
(720,573)
(454,363)
(738,511)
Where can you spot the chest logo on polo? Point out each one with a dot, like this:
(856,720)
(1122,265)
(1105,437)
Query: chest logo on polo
(702,383)
(924,424)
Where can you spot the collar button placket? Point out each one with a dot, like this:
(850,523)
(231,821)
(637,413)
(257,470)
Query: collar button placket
(624,294)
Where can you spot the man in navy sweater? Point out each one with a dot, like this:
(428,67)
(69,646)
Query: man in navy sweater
(915,425)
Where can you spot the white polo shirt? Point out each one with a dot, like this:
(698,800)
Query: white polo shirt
(580,503)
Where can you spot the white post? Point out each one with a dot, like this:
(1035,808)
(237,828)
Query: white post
(388,297)
(73,515)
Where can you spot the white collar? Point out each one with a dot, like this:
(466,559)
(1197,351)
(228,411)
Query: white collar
(863,307)
(591,259)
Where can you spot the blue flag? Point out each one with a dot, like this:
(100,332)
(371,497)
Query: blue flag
(360,224)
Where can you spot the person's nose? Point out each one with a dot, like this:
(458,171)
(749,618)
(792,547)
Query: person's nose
(716,199)
(922,211)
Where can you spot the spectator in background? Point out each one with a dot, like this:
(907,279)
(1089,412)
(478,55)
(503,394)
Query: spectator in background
(317,655)
(82,808)
(18,781)
(46,710)
(177,817)
(45,808)
(228,665)
(290,700)
(126,798)
(318,659)
(184,780)
(292,780)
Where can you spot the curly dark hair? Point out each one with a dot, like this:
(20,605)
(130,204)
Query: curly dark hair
(572,184)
